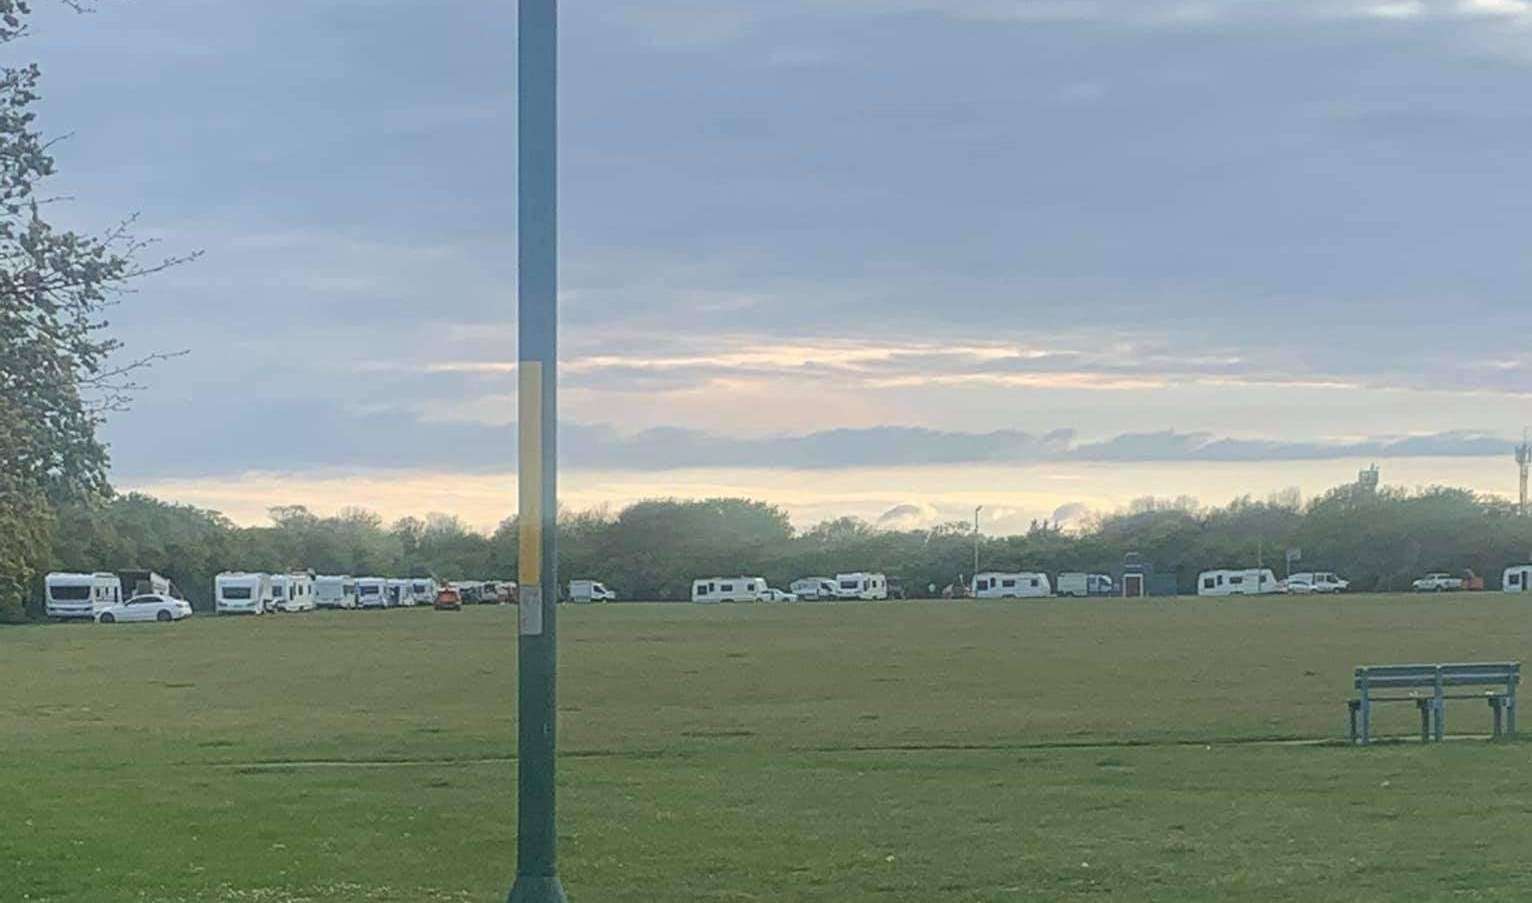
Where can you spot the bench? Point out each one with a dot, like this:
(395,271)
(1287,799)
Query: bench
(1430,686)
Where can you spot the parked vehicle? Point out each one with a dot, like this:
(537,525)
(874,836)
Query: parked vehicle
(590,591)
(1438,583)
(896,588)
(71,596)
(371,592)
(1517,579)
(148,607)
(776,595)
(813,588)
(472,591)
(423,590)
(448,599)
(239,593)
(509,592)
(1080,585)
(728,589)
(1246,582)
(1024,585)
(292,592)
(861,585)
(144,583)
(334,592)
(1316,582)
(489,592)
(399,594)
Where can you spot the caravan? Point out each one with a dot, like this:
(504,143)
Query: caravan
(400,594)
(1022,585)
(423,590)
(813,588)
(147,583)
(1246,582)
(371,592)
(80,595)
(334,592)
(239,593)
(292,592)
(1518,579)
(866,587)
(728,589)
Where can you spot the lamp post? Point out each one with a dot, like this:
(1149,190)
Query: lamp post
(537,878)
(976,543)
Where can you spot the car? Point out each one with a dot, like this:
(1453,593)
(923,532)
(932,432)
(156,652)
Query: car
(448,599)
(148,607)
(1438,583)
(776,595)
(1321,582)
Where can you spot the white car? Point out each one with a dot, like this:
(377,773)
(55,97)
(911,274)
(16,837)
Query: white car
(152,607)
(1321,582)
(776,595)
(1438,583)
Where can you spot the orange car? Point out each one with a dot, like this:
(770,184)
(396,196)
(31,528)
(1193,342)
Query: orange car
(448,599)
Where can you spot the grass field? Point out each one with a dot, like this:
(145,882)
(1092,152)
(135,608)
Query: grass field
(904,751)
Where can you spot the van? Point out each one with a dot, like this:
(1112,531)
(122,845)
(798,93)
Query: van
(1081,585)
(423,590)
(292,592)
(400,594)
(70,596)
(334,592)
(240,593)
(813,588)
(1020,585)
(728,589)
(590,591)
(1246,582)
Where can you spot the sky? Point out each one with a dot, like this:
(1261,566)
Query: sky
(888,258)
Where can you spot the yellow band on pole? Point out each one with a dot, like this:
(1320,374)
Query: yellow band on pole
(529,471)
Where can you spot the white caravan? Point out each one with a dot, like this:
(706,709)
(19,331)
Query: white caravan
(1021,585)
(590,591)
(728,589)
(334,591)
(813,588)
(239,593)
(371,592)
(80,595)
(292,592)
(1518,579)
(423,590)
(400,594)
(1247,582)
(861,586)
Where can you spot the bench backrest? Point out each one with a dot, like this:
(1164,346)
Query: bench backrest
(1458,674)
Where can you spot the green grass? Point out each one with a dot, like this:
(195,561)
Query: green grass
(908,751)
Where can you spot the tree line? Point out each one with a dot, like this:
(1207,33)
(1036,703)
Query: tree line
(1381,539)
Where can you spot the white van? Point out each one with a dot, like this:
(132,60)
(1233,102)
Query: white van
(1311,582)
(423,590)
(1247,582)
(399,594)
(1082,585)
(1518,579)
(813,588)
(728,589)
(590,591)
(1021,585)
(861,586)
(239,593)
(67,596)
(371,592)
(334,591)
(292,592)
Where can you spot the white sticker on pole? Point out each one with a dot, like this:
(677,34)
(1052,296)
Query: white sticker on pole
(531,611)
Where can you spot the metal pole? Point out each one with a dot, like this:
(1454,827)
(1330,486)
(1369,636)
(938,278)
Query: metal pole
(976,511)
(537,421)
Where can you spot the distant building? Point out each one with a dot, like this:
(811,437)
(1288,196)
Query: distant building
(1140,580)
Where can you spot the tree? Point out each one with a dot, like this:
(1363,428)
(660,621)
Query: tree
(58,375)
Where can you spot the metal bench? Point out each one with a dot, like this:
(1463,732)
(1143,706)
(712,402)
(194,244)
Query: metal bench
(1430,687)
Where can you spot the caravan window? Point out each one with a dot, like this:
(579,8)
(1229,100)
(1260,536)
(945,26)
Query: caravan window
(983,585)
(236,592)
(70,593)
(726,587)
(1514,579)
(1008,583)
(1236,581)
(368,590)
(1034,581)
(1208,583)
